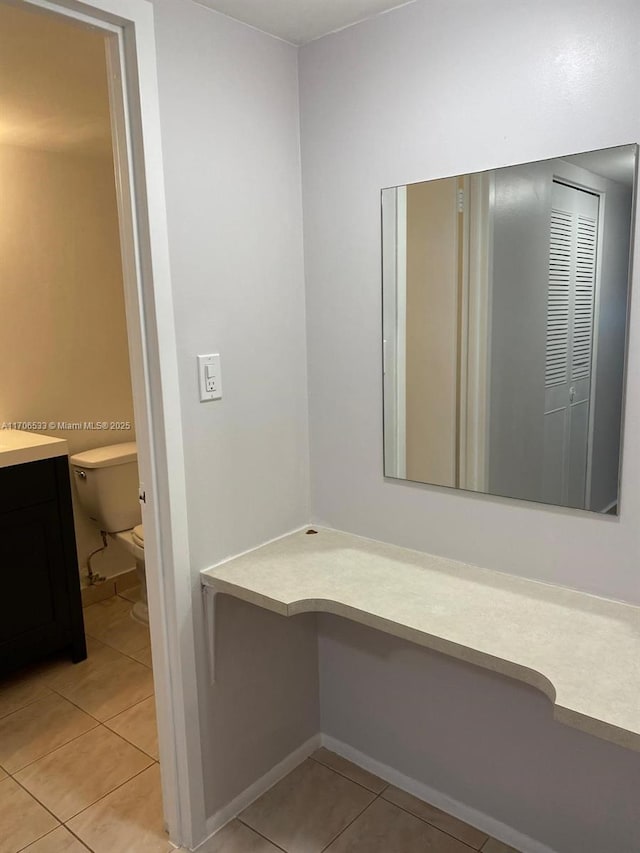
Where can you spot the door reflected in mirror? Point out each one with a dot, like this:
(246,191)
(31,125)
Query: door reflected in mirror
(505,316)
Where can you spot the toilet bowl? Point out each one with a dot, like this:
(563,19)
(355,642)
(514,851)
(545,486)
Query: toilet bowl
(133,542)
(106,481)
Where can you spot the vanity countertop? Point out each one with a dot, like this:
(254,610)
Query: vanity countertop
(18,446)
(582,651)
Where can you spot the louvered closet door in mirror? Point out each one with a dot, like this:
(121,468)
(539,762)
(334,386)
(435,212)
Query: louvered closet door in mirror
(571,296)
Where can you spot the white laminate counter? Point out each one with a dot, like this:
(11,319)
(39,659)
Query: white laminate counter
(18,446)
(583,652)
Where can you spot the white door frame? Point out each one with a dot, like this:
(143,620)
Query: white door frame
(394,309)
(154,367)
(401,332)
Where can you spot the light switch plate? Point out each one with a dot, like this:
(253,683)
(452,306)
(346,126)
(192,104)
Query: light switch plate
(209,377)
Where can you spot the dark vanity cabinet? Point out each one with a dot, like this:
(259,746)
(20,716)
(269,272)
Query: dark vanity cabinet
(40,602)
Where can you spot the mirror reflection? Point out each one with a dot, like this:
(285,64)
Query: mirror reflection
(505,303)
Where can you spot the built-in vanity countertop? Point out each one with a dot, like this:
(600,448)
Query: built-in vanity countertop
(18,446)
(582,651)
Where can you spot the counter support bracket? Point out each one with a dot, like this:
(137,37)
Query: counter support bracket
(210,620)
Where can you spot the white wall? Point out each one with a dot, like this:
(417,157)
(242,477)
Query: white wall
(229,112)
(230,134)
(428,90)
(433,89)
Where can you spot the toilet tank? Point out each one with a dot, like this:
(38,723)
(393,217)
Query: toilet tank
(106,481)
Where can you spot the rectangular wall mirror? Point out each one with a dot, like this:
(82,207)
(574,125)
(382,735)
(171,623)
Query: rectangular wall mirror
(505,315)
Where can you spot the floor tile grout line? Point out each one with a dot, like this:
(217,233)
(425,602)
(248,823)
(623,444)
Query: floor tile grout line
(362,811)
(42,837)
(130,742)
(112,648)
(74,738)
(77,837)
(100,640)
(344,776)
(351,822)
(108,794)
(105,794)
(53,691)
(381,795)
(433,825)
(115,648)
(106,643)
(119,616)
(48,690)
(18,782)
(75,704)
(127,655)
(375,797)
(135,704)
(26,705)
(257,832)
(89,714)
(56,692)
(50,751)
(31,794)
(55,749)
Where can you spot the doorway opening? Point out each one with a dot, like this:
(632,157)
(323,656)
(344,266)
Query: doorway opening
(76,737)
(106,184)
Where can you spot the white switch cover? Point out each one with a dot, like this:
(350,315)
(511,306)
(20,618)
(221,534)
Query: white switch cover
(210,377)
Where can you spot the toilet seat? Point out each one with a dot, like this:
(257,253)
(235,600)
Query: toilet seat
(137,534)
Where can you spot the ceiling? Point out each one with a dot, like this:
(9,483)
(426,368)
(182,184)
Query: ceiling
(53,84)
(300,21)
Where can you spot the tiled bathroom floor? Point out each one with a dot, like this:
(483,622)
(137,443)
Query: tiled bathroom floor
(79,771)
(78,747)
(328,804)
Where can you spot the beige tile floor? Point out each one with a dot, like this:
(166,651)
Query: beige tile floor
(78,746)
(328,804)
(79,771)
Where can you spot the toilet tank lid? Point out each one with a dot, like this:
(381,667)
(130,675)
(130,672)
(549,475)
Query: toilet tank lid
(102,457)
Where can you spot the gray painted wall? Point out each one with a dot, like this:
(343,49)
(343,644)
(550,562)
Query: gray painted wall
(416,94)
(230,134)
(432,89)
(485,740)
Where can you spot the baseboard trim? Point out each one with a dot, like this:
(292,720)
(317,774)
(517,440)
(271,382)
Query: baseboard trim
(258,788)
(484,822)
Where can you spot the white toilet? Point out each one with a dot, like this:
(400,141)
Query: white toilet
(107,484)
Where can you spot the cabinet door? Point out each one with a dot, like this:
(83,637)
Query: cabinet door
(34,604)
